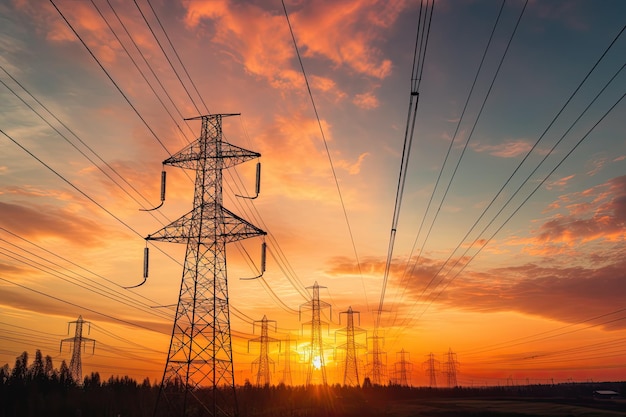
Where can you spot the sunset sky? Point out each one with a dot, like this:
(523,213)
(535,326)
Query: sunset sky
(510,246)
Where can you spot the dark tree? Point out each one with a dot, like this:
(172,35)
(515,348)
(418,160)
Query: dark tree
(5,374)
(65,376)
(20,370)
(36,370)
(48,368)
(92,381)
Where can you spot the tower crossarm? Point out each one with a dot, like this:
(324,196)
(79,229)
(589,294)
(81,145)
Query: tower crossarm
(262,339)
(233,228)
(229,154)
(82,340)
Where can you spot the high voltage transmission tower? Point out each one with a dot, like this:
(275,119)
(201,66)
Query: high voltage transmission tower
(403,368)
(78,342)
(199,375)
(351,369)
(377,366)
(263,362)
(287,380)
(432,366)
(316,364)
(450,368)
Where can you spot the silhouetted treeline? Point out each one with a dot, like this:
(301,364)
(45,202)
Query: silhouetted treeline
(39,389)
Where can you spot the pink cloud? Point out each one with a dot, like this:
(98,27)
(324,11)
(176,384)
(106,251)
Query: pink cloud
(597,214)
(508,149)
(606,216)
(560,183)
(366,101)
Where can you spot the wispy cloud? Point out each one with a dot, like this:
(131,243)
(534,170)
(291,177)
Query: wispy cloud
(366,101)
(594,214)
(560,183)
(508,149)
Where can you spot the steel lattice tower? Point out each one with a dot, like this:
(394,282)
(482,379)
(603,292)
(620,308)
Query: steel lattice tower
(377,370)
(316,362)
(431,370)
(200,353)
(450,368)
(287,380)
(403,368)
(351,369)
(78,341)
(263,362)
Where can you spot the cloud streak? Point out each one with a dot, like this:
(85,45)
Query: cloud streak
(44,221)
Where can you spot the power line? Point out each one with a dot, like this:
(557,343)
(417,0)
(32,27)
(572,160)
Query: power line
(486,242)
(441,268)
(176,54)
(76,188)
(110,77)
(71,143)
(72,263)
(43,293)
(406,275)
(165,54)
(330,160)
(524,182)
(139,69)
(105,292)
(472,131)
(419,55)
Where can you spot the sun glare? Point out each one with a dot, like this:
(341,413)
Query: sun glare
(317,362)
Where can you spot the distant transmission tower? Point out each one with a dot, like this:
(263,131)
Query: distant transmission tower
(199,375)
(403,368)
(316,363)
(432,366)
(78,342)
(377,366)
(263,362)
(351,369)
(450,368)
(287,380)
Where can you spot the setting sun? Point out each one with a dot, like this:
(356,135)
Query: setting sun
(317,362)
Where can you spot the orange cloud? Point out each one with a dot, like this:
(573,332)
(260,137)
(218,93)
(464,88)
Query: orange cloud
(344,32)
(260,39)
(597,214)
(602,218)
(49,221)
(296,162)
(265,45)
(353,168)
(560,183)
(366,101)
(569,294)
